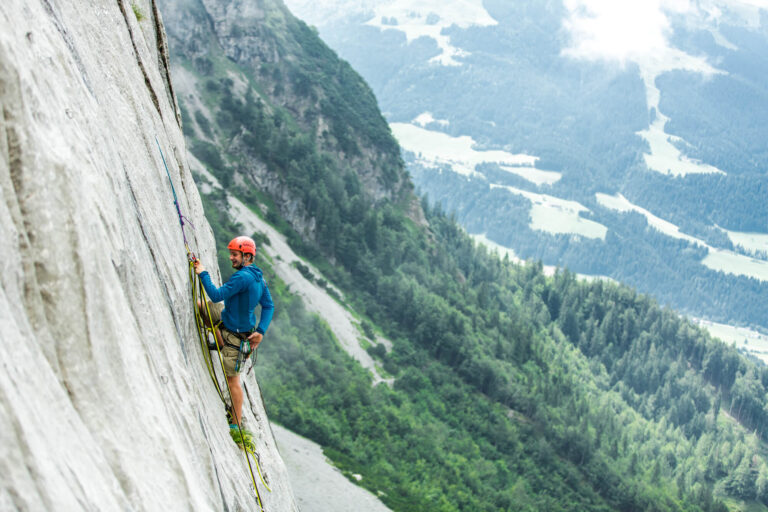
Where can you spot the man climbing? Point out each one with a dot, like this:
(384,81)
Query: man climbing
(234,321)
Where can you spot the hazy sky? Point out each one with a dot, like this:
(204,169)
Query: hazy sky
(633,30)
(615,30)
(619,29)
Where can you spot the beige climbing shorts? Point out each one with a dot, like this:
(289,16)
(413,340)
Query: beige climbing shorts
(229,353)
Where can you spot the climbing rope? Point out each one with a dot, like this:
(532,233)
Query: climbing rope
(198,295)
(176,203)
(205,331)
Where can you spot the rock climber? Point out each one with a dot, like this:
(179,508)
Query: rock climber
(234,321)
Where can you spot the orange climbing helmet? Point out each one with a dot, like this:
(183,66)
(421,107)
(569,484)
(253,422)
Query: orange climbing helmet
(243,244)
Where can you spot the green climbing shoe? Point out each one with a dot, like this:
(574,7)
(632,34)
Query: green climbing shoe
(243,437)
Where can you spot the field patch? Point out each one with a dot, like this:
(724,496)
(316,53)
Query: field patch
(555,215)
(757,242)
(746,339)
(738,264)
(433,148)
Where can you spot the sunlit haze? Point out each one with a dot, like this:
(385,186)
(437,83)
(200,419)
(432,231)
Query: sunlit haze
(619,29)
(632,30)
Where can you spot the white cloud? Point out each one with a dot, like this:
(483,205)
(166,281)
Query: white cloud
(746,11)
(639,30)
(617,29)
(623,30)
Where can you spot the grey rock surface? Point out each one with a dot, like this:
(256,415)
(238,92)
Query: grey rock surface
(105,403)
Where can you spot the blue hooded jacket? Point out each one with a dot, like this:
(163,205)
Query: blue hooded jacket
(241,294)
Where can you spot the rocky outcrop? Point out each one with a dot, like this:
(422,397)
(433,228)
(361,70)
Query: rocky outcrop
(286,66)
(105,403)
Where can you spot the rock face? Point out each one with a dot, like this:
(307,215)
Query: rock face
(105,403)
(284,64)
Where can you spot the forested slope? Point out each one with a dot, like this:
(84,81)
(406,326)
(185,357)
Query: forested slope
(523,83)
(512,391)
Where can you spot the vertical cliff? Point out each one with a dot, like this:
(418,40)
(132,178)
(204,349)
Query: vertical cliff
(104,400)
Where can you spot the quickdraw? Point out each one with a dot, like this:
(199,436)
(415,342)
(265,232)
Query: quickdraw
(204,332)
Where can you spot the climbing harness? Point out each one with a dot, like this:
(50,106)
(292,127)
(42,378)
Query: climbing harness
(244,349)
(204,331)
(243,353)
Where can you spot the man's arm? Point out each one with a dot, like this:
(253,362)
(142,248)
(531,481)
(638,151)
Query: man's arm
(267,310)
(236,283)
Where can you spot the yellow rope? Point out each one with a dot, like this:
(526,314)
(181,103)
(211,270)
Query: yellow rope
(203,330)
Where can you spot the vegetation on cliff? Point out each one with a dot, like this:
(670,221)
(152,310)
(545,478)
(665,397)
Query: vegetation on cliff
(513,390)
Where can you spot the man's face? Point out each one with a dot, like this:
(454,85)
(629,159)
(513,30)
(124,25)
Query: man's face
(236,257)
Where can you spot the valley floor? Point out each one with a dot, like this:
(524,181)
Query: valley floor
(317,485)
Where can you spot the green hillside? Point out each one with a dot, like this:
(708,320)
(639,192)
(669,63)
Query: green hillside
(513,390)
(519,89)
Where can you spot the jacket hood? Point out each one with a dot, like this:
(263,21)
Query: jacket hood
(256,271)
